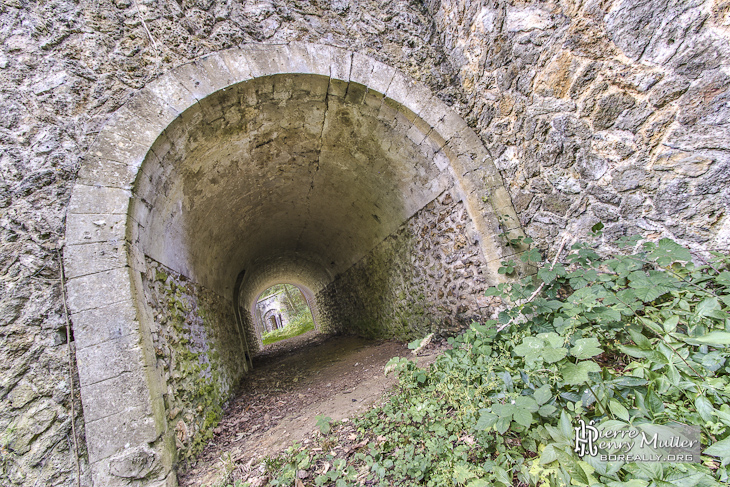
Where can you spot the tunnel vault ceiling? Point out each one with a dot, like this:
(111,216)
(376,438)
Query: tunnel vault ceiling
(293,175)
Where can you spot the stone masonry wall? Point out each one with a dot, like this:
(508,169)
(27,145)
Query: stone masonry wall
(614,110)
(610,110)
(65,66)
(199,352)
(426,277)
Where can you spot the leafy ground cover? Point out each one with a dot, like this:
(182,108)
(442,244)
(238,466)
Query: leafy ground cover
(632,339)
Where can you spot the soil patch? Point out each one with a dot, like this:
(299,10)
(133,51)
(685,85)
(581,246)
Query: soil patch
(292,382)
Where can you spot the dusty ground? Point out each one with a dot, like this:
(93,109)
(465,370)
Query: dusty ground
(293,381)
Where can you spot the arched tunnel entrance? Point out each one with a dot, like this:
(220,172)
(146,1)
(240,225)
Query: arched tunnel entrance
(302,164)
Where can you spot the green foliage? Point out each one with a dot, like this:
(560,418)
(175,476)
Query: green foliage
(295,327)
(632,339)
(323,423)
(300,321)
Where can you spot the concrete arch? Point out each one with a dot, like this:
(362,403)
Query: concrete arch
(127,208)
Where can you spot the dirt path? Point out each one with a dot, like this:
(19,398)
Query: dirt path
(292,382)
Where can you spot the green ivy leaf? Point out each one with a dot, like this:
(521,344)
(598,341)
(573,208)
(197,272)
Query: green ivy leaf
(503,425)
(503,410)
(478,483)
(486,420)
(714,338)
(640,340)
(586,348)
(546,410)
(654,403)
(552,355)
(635,352)
(548,455)
(618,410)
(578,374)
(671,324)
(523,417)
(462,473)
(501,475)
(542,395)
(668,251)
(704,408)
(719,449)
(532,255)
(528,346)
(707,306)
(323,423)
(629,483)
(527,403)
(547,275)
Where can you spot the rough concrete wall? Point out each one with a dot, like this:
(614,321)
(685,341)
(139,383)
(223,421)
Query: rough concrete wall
(199,353)
(613,111)
(426,277)
(65,66)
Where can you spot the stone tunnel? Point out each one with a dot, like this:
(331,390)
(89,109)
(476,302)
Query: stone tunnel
(301,164)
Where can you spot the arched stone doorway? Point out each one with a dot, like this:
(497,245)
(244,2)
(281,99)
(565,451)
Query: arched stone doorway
(365,173)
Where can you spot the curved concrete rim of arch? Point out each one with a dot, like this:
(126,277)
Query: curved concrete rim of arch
(126,432)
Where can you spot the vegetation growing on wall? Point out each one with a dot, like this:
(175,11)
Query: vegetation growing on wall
(198,351)
(625,340)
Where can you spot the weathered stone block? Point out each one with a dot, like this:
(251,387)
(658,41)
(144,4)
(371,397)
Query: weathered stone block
(91,228)
(667,91)
(113,434)
(117,394)
(111,174)
(449,125)
(330,61)
(355,93)
(95,290)
(409,93)
(98,200)
(109,359)
(610,107)
(142,118)
(136,463)
(170,89)
(237,63)
(371,73)
(113,321)
(685,163)
(204,77)
(90,258)
(119,147)
(628,178)
(699,137)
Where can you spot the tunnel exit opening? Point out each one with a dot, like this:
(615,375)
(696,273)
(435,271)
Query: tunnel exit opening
(281,312)
(301,164)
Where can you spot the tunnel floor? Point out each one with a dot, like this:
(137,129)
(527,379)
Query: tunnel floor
(292,382)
